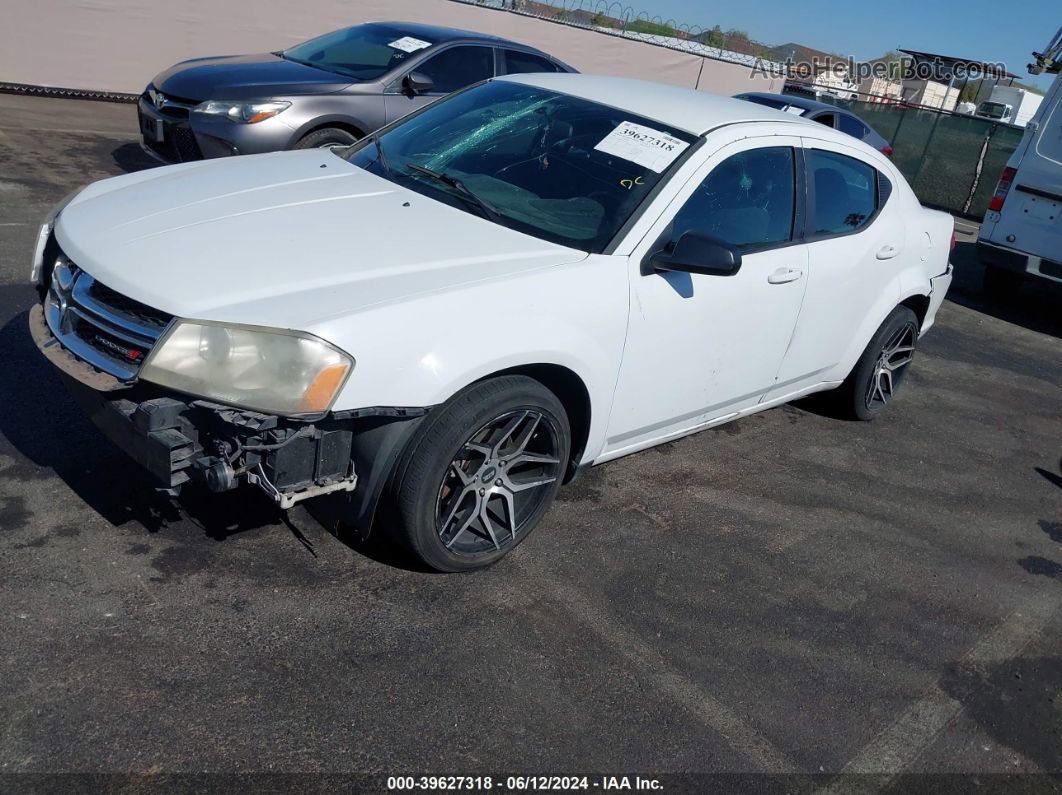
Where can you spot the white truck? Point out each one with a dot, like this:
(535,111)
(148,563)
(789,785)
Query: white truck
(1010,105)
(1021,235)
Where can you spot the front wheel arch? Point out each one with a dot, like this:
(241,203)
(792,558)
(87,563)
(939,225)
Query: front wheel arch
(571,391)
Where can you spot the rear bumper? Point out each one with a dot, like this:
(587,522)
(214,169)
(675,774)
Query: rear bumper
(1009,259)
(938,289)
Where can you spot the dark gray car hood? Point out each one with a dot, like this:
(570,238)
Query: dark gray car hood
(245,77)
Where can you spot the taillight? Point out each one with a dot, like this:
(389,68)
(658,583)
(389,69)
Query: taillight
(1002,189)
(886,150)
(953,240)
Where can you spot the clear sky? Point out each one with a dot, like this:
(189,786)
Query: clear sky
(975,29)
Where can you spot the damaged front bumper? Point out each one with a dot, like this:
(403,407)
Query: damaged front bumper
(179,439)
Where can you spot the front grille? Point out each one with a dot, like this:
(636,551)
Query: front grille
(172,107)
(185,143)
(111,332)
(127,307)
(178,144)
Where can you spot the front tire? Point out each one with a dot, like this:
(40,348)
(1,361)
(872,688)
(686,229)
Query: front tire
(326,138)
(880,371)
(481,472)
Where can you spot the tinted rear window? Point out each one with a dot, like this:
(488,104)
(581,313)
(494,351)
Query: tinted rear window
(852,126)
(524,62)
(846,192)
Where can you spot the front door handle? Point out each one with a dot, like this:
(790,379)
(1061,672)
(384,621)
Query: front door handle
(887,252)
(783,275)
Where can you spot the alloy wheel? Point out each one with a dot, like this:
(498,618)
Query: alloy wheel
(891,366)
(497,483)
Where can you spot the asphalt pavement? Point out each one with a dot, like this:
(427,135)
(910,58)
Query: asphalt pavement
(790,599)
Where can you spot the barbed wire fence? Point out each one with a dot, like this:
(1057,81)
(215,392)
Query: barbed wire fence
(616,19)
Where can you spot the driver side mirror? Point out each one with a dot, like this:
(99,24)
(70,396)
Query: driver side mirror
(417,83)
(698,253)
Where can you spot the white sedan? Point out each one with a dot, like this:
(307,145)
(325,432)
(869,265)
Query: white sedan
(457,314)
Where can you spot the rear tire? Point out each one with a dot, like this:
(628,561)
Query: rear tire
(1000,284)
(881,369)
(481,472)
(328,137)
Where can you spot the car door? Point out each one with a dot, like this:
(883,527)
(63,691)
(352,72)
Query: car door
(701,347)
(450,69)
(855,238)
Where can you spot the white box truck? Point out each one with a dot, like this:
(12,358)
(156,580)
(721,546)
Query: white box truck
(1010,105)
(1021,235)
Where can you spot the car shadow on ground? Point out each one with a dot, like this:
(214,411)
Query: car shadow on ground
(47,432)
(1037,306)
(131,157)
(46,428)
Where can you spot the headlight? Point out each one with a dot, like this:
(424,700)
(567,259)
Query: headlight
(277,372)
(45,232)
(243,112)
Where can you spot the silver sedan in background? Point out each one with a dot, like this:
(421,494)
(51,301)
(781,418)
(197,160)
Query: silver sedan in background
(329,91)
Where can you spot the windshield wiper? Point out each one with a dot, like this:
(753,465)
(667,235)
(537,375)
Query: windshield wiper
(489,212)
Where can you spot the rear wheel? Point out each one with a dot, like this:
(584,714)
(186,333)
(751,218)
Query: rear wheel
(877,376)
(1000,284)
(326,139)
(481,473)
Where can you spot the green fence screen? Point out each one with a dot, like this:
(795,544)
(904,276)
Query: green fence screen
(952,162)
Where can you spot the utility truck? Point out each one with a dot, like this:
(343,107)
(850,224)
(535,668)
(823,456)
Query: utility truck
(1010,105)
(1021,235)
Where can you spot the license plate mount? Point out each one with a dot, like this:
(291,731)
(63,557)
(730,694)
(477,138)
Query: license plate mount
(153,129)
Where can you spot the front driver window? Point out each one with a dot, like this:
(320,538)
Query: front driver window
(747,200)
(458,67)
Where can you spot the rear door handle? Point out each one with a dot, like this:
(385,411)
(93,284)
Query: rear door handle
(887,252)
(783,275)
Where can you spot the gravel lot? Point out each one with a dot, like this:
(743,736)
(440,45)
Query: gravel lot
(787,594)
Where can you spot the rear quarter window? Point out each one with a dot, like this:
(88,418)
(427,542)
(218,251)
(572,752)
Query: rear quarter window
(852,126)
(517,62)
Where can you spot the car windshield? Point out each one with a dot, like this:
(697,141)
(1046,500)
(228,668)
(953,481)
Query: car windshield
(363,52)
(993,110)
(560,168)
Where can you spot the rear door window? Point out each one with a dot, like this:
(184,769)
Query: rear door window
(852,126)
(846,193)
(517,62)
(829,119)
(458,67)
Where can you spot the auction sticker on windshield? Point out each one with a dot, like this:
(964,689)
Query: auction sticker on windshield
(409,44)
(642,145)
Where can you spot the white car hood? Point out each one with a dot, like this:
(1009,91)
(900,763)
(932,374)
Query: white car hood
(284,240)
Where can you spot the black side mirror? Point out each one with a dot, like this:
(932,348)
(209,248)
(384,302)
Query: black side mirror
(697,253)
(418,83)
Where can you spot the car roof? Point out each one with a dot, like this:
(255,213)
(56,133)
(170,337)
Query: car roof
(794,101)
(685,108)
(437,34)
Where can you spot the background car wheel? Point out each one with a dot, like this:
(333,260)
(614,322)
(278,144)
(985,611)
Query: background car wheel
(322,139)
(880,371)
(1000,284)
(481,472)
